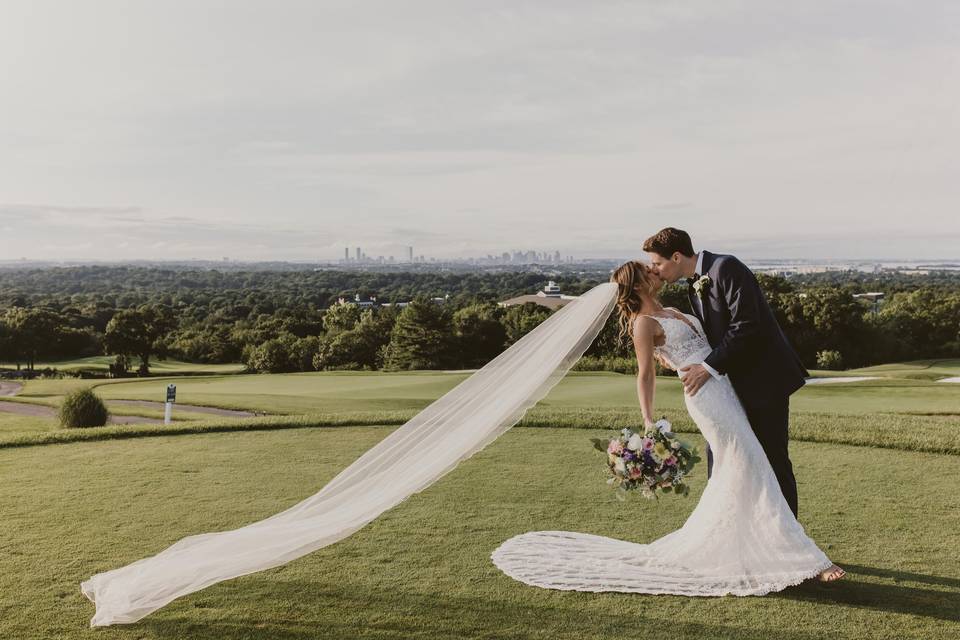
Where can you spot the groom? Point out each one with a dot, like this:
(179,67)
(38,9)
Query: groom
(748,344)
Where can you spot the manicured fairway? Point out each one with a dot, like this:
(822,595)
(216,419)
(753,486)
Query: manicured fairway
(914,414)
(345,392)
(921,369)
(892,518)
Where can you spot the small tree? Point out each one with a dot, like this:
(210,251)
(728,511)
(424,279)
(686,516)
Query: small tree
(32,333)
(480,335)
(421,338)
(82,408)
(140,332)
(360,347)
(7,344)
(273,356)
(829,359)
(342,316)
(521,319)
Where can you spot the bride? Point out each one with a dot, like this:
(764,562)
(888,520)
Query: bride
(741,538)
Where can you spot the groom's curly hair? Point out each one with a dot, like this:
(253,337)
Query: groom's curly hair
(668,241)
(629,276)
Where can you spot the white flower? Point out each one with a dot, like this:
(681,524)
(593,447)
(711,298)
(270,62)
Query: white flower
(663,425)
(635,441)
(620,466)
(703,282)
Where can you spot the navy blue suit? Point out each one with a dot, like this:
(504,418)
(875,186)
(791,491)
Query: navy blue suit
(750,348)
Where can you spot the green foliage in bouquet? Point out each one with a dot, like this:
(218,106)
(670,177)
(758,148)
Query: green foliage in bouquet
(652,463)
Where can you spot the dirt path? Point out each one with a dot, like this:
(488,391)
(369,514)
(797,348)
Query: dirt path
(10,388)
(43,411)
(190,408)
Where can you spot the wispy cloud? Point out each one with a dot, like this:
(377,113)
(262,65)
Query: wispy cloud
(472,127)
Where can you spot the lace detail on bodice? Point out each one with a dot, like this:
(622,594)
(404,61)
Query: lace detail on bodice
(684,341)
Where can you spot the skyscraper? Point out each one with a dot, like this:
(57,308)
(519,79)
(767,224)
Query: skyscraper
(358,254)
(409,254)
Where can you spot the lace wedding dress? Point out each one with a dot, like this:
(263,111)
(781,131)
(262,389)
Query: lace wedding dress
(741,538)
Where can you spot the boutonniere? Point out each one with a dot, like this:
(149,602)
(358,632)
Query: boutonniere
(702,284)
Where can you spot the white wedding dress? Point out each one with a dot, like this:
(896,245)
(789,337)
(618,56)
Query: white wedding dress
(741,538)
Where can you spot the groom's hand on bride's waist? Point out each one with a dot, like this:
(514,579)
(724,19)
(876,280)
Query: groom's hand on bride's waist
(694,377)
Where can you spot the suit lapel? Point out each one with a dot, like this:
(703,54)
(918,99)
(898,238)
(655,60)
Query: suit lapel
(708,259)
(691,294)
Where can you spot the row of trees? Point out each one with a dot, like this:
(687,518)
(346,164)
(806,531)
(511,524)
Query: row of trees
(30,334)
(828,326)
(423,335)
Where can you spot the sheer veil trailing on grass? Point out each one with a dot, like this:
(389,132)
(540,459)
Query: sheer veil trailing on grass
(451,429)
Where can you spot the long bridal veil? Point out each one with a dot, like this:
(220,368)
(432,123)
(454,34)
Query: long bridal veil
(451,429)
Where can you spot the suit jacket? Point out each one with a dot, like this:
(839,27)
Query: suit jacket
(748,344)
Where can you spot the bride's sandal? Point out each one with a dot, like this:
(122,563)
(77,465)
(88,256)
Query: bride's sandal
(832,574)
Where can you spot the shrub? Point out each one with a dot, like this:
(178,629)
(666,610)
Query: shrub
(617,365)
(829,359)
(83,408)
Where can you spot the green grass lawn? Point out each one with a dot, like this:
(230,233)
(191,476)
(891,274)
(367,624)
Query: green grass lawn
(921,369)
(915,414)
(346,392)
(887,509)
(422,570)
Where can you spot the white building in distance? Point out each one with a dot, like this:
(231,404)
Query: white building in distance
(550,297)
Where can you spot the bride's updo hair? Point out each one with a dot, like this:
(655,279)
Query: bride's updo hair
(633,281)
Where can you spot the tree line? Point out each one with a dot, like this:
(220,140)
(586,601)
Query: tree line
(292,321)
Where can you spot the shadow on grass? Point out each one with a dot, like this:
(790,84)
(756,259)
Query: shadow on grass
(887,596)
(304,609)
(320,613)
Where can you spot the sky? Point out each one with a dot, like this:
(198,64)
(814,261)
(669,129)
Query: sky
(288,130)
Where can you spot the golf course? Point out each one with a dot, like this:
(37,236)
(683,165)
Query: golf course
(877,463)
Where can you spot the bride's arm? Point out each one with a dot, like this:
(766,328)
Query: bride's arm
(643,334)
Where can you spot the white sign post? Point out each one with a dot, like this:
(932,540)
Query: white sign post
(171,398)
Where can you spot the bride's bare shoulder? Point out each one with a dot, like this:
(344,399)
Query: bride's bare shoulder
(645,327)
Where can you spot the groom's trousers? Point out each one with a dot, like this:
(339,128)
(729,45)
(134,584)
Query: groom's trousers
(770,423)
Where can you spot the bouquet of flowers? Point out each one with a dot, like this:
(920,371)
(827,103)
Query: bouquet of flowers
(653,462)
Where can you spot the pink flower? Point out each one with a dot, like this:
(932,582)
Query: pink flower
(635,473)
(648,444)
(671,461)
(615,447)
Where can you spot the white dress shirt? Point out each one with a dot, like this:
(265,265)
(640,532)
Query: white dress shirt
(699,271)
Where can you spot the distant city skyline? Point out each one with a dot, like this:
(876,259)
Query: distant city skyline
(289,131)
